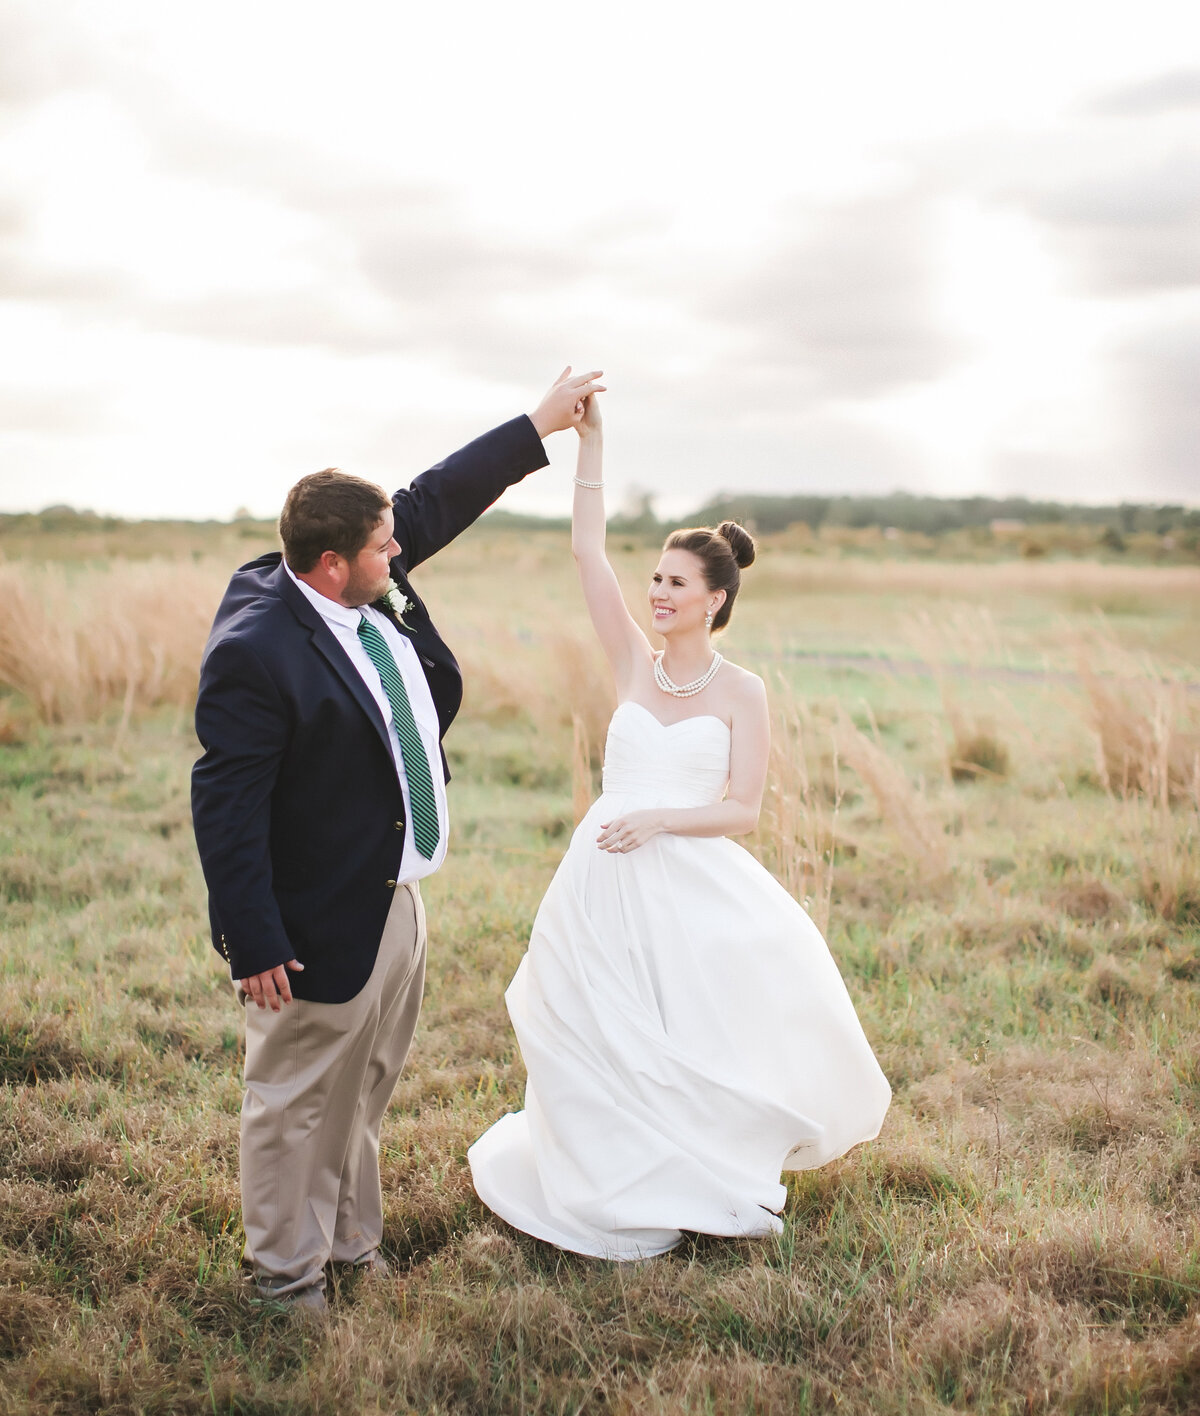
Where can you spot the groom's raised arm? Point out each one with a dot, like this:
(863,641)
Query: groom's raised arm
(442,502)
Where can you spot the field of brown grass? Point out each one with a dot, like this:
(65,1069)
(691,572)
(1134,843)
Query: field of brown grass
(986,784)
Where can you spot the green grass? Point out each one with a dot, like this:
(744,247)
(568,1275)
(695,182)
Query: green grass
(1023,1236)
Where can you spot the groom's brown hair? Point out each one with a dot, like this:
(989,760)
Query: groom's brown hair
(329,511)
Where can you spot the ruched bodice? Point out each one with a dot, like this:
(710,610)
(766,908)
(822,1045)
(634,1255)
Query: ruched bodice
(665,764)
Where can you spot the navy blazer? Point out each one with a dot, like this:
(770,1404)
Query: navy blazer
(298,813)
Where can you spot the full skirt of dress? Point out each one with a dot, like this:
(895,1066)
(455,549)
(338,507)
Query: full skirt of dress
(686,1033)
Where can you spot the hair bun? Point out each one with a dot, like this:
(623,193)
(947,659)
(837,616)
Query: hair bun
(740,540)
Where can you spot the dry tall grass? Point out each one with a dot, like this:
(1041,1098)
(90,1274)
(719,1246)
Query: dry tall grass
(1166,846)
(965,637)
(1086,582)
(904,805)
(544,680)
(1022,1237)
(1146,725)
(797,837)
(583,775)
(76,645)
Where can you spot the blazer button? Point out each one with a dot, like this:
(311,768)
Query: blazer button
(391,884)
(397,825)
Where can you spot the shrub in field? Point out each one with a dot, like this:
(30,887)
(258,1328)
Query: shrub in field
(1089,901)
(977,752)
(1117,984)
(1165,843)
(1146,728)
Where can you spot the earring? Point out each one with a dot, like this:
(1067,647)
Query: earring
(708,620)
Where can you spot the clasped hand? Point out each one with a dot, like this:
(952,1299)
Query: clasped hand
(627,833)
(565,403)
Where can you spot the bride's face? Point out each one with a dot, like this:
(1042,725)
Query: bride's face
(679,598)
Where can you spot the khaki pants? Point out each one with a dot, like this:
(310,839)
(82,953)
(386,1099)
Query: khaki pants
(319,1077)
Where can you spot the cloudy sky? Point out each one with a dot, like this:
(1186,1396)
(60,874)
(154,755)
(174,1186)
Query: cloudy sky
(943,247)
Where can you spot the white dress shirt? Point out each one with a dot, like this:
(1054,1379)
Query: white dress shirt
(344,624)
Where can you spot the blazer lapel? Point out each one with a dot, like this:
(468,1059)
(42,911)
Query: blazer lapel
(324,642)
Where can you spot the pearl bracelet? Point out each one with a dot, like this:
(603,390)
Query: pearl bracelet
(579,482)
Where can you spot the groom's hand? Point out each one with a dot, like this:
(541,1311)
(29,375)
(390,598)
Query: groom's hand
(271,989)
(565,401)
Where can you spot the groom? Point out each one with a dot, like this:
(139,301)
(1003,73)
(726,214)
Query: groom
(318,804)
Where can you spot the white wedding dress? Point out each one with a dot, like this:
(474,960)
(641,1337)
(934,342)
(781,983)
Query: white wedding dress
(686,1033)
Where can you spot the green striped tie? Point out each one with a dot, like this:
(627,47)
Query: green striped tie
(412,749)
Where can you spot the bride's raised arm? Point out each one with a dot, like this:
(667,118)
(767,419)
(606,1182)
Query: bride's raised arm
(621,637)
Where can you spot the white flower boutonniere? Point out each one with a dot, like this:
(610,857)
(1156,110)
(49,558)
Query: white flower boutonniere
(399,604)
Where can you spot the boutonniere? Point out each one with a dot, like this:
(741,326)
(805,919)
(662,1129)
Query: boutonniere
(399,604)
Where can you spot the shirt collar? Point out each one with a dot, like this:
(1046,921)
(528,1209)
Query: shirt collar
(328,609)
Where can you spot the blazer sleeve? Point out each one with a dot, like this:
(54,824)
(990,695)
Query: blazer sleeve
(243,727)
(441,503)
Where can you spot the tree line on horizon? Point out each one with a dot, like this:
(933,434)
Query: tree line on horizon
(933,516)
(763,513)
(766,514)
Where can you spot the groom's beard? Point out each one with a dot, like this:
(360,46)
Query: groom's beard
(365,589)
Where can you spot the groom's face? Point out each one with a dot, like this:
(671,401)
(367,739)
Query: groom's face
(369,577)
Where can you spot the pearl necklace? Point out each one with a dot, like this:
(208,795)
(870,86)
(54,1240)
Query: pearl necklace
(685,690)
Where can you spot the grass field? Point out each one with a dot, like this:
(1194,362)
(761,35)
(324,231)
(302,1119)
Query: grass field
(986,785)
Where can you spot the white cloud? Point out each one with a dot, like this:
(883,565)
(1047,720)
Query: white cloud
(853,247)
(1161,93)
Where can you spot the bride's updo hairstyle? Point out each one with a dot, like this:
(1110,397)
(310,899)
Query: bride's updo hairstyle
(723,555)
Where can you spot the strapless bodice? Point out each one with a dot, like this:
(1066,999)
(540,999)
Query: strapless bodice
(665,764)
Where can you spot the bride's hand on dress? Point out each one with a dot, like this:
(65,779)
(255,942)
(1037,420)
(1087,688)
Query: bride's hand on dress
(627,833)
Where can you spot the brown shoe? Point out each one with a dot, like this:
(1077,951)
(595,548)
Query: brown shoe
(373,1265)
(310,1301)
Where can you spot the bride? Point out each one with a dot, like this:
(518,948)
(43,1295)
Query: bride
(686,1034)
